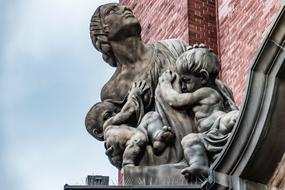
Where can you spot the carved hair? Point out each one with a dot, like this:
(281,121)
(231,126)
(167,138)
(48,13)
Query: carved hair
(92,123)
(197,58)
(94,120)
(99,37)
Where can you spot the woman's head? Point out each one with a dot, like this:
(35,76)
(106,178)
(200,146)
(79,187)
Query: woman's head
(109,23)
(100,38)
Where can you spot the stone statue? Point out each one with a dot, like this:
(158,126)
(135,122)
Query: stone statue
(210,101)
(161,106)
(115,32)
(165,117)
(125,143)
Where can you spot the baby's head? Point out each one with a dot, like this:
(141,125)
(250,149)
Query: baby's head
(197,67)
(97,116)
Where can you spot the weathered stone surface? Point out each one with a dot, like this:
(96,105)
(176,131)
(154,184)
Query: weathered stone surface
(156,175)
(165,106)
(277,182)
(164,103)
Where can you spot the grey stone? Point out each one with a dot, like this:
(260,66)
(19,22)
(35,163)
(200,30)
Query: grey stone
(165,112)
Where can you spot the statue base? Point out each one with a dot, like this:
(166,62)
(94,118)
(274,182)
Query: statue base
(168,174)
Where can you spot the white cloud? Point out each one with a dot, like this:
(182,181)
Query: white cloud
(50,77)
(52,165)
(42,25)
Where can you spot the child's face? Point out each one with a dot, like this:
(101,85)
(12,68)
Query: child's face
(190,82)
(105,111)
(101,113)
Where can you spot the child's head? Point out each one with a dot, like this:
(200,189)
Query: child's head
(197,67)
(97,116)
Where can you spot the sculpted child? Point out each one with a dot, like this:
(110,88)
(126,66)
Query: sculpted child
(123,141)
(208,99)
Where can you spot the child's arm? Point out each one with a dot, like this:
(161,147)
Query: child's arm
(123,116)
(176,99)
(130,108)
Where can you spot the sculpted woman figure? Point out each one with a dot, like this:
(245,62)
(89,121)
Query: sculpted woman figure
(116,33)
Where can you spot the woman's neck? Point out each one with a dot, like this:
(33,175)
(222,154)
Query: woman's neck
(129,50)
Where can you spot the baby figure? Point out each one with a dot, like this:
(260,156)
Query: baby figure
(124,142)
(210,101)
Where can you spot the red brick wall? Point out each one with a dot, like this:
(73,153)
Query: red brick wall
(243,24)
(191,20)
(161,19)
(233,28)
(202,22)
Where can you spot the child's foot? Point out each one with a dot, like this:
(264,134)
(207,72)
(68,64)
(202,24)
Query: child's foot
(196,172)
(167,135)
(162,139)
(158,147)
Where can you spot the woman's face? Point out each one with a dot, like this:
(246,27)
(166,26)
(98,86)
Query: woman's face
(118,18)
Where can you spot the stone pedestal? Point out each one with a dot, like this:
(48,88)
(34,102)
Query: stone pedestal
(169,175)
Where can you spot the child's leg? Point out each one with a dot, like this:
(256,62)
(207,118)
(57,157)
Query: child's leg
(134,148)
(195,155)
(159,135)
(228,121)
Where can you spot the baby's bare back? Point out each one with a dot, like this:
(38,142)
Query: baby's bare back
(208,109)
(120,135)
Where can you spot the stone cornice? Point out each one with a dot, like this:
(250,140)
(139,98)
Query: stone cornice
(258,143)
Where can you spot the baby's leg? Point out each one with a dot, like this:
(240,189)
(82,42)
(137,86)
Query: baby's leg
(160,136)
(134,148)
(196,156)
(228,121)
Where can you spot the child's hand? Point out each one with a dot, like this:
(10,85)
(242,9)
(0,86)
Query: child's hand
(139,88)
(167,76)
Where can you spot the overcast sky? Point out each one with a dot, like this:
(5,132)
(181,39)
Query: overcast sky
(50,76)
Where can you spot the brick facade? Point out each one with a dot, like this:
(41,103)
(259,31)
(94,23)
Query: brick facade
(161,19)
(191,20)
(202,22)
(242,25)
(233,28)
